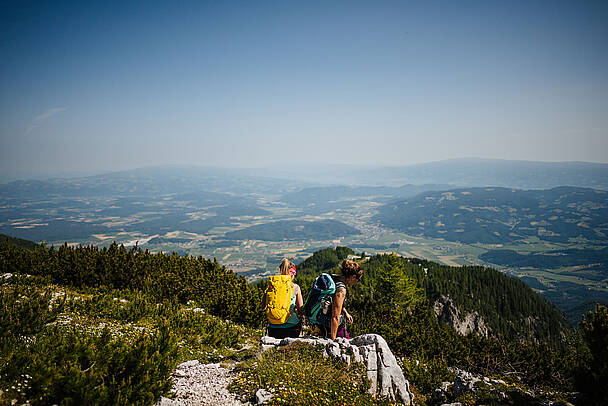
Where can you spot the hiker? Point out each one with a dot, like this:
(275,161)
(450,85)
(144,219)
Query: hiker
(330,316)
(283,303)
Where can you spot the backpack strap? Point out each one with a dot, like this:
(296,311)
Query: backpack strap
(340,285)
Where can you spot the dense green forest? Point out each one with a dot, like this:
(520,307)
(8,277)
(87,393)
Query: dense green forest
(584,264)
(65,359)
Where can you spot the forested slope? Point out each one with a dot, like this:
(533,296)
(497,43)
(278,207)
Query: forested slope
(395,299)
(494,215)
(17,242)
(503,302)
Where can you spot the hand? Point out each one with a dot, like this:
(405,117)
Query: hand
(349,318)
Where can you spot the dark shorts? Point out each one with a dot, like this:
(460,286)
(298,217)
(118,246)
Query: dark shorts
(284,332)
(342,332)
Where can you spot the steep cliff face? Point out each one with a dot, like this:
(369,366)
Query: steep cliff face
(447,312)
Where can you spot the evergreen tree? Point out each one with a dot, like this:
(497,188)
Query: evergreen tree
(595,334)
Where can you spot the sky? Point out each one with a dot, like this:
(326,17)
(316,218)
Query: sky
(101,86)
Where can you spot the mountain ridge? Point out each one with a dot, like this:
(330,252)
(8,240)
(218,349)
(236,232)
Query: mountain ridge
(458,172)
(494,215)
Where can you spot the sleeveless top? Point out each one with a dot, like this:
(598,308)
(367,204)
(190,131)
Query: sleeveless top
(325,319)
(342,285)
(293,319)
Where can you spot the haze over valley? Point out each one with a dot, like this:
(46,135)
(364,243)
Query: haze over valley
(555,239)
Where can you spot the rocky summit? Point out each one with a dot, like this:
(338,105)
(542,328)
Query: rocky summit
(383,371)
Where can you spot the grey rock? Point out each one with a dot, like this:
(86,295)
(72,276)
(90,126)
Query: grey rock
(288,340)
(270,340)
(447,312)
(372,359)
(356,356)
(464,382)
(334,350)
(263,396)
(391,381)
(382,368)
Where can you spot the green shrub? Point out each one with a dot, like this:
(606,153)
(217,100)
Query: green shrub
(121,305)
(25,311)
(426,376)
(594,375)
(72,368)
(44,363)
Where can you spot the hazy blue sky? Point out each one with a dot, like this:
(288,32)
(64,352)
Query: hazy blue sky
(88,86)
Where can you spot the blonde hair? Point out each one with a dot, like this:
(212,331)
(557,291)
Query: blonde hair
(285,266)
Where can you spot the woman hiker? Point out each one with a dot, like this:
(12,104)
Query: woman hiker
(292,326)
(335,322)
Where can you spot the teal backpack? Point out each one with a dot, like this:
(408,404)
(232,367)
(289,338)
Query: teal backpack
(321,292)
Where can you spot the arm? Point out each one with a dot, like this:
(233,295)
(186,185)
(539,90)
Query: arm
(336,311)
(299,301)
(347,316)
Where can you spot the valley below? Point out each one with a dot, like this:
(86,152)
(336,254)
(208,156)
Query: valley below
(554,240)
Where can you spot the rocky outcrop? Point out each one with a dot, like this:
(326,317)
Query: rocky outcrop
(466,384)
(447,312)
(372,350)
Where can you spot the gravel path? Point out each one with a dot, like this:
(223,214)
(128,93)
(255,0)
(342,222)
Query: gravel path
(201,384)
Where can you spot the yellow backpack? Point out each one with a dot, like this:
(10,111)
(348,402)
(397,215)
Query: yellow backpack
(278,299)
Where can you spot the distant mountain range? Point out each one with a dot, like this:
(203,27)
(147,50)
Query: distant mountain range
(466,172)
(495,215)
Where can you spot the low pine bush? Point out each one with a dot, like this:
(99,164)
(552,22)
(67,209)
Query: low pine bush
(426,376)
(71,368)
(44,362)
(24,310)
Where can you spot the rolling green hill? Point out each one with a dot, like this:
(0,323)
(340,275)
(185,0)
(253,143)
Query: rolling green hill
(322,199)
(17,242)
(552,259)
(294,230)
(494,215)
